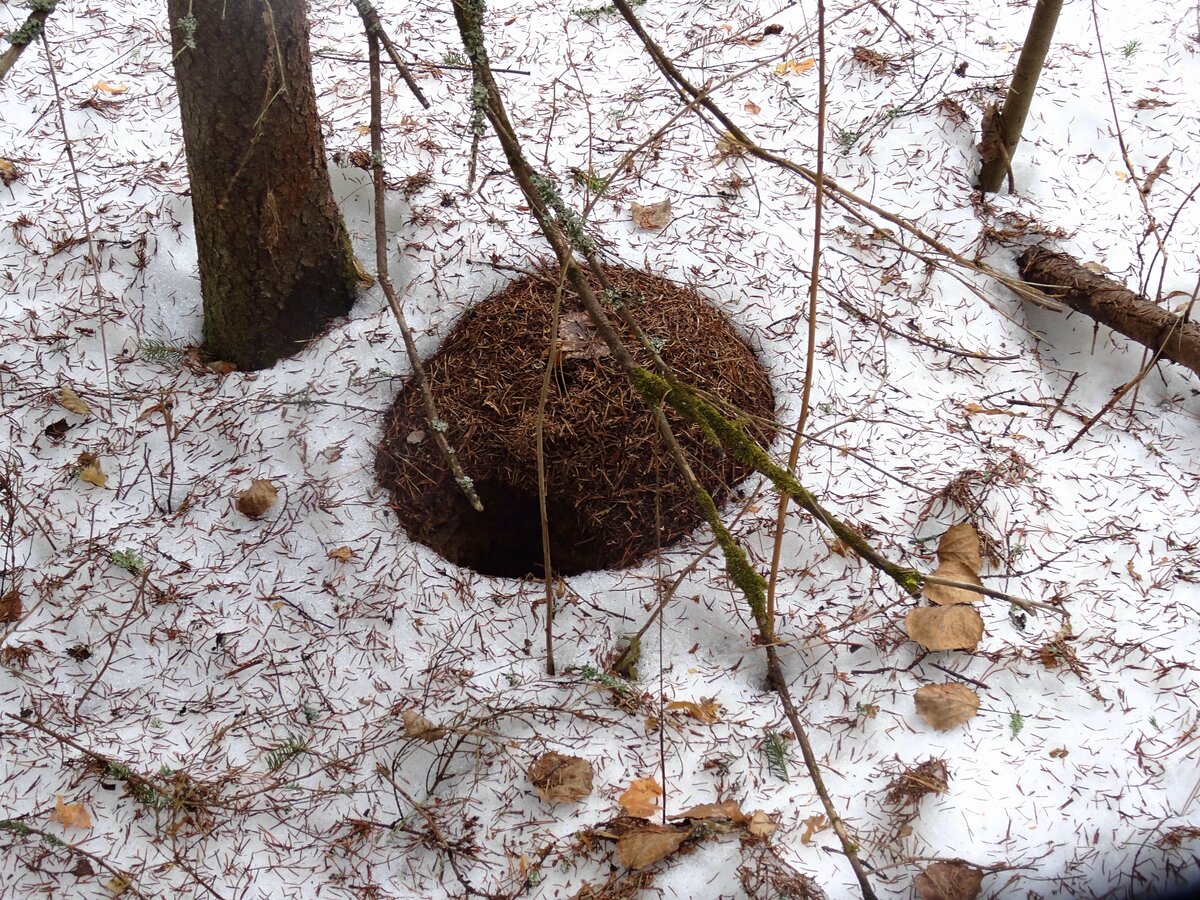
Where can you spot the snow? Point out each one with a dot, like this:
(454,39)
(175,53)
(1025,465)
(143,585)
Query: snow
(246,634)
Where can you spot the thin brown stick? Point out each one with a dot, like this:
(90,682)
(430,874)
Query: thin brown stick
(373,24)
(552,359)
(54,842)
(813,291)
(436,424)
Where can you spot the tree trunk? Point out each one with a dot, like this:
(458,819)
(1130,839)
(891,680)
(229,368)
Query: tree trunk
(1000,145)
(275,260)
(1114,305)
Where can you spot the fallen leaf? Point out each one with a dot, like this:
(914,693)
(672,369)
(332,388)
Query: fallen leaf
(82,869)
(72,815)
(577,338)
(641,798)
(728,810)
(415,437)
(812,825)
(117,885)
(108,88)
(955,880)
(946,706)
(10,606)
(56,431)
(961,543)
(944,594)
(89,469)
(70,400)
(257,499)
(707,710)
(728,145)
(1059,753)
(760,825)
(945,627)
(644,846)
(795,66)
(419,727)
(652,216)
(364,278)
(561,779)
(751,107)
(341,554)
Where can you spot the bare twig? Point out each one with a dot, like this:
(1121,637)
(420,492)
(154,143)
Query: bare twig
(436,424)
(374,26)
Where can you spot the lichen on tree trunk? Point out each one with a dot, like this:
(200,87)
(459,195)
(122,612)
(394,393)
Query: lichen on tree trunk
(275,260)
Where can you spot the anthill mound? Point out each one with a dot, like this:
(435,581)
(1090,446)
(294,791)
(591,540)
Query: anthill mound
(614,494)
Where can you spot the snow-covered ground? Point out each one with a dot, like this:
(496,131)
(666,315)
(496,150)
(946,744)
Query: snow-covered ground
(234,643)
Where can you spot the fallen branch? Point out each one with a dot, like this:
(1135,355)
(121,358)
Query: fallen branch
(29,32)
(1111,303)
(371,20)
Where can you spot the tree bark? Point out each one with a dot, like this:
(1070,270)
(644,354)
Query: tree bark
(1000,146)
(275,260)
(1114,305)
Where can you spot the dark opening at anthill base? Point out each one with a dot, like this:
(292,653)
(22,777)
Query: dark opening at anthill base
(614,494)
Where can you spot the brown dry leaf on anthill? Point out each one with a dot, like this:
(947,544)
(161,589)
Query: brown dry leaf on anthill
(68,399)
(417,726)
(954,880)
(959,559)
(257,499)
(707,710)
(652,216)
(647,844)
(641,798)
(72,815)
(577,337)
(88,469)
(946,706)
(945,627)
(10,606)
(561,779)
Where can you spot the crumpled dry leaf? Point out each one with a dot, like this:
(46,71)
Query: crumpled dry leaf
(944,594)
(652,216)
(117,885)
(561,779)
(751,107)
(945,627)
(729,810)
(708,710)
(959,559)
(954,880)
(641,798)
(70,400)
(89,469)
(946,706)
(257,499)
(341,554)
(10,606)
(72,815)
(961,542)
(812,825)
(795,66)
(646,845)
(577,338)
(109,88)
(760,825)
(728,145)
(417,726)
